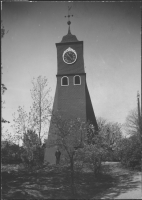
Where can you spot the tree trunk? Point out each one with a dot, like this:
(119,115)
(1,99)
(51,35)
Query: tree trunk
(72,175)
(40,114)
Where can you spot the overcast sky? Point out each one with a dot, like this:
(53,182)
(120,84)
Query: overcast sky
(112,51)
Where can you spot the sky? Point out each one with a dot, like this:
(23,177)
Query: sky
(111,32)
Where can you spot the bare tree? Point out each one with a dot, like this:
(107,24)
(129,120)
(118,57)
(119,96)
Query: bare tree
(21,122)
(69,135)
(41,105)
(2,30)
(39,114)
(132,123)
(112,132)
(3,87)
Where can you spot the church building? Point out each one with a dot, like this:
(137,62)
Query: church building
(72,97)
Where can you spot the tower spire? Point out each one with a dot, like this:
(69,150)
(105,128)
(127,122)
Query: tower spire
(69,22)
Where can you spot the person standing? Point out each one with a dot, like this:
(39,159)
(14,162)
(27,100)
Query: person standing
(57,154)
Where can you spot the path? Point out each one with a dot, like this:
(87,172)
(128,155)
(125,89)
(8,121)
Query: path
(128,185)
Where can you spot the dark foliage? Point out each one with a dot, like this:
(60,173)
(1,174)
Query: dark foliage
(130,152)
(33,152)
(10,153)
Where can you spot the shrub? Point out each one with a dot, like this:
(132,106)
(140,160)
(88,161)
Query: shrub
(131,151)
(10,153)
(33,152)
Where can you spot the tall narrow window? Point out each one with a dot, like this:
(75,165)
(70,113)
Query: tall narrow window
(77,80)
(64,81)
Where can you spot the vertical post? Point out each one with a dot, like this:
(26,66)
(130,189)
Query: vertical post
(139,112)
(139,120)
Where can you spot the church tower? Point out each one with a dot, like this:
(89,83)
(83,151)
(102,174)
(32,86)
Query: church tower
(72,99)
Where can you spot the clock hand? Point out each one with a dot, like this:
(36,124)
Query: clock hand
(69,56)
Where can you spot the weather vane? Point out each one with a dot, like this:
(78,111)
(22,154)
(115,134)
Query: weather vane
(69,22)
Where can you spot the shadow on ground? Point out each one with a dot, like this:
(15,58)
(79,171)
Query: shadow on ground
(123,181)
(54,183)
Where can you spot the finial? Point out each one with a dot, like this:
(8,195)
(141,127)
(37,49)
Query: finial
(69,22)
(69,31)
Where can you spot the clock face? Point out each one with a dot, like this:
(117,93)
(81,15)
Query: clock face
(69,56)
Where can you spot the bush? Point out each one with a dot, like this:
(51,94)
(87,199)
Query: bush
(92,156)
(33,152)
(10,153)
(33,159)
(130,152)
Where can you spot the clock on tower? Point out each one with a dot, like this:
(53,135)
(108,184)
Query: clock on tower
(69,56)
(72,97)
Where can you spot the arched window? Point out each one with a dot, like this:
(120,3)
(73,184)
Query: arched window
(64,81)
(77,80)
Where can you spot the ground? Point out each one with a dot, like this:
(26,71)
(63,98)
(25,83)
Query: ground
(54,183)
(127,184)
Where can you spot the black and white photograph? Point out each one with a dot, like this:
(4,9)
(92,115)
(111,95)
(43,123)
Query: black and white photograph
(71,119)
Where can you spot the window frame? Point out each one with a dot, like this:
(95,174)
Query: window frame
(74,80)
(67,80)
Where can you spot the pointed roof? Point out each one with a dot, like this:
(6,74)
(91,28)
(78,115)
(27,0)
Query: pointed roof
(69,37)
